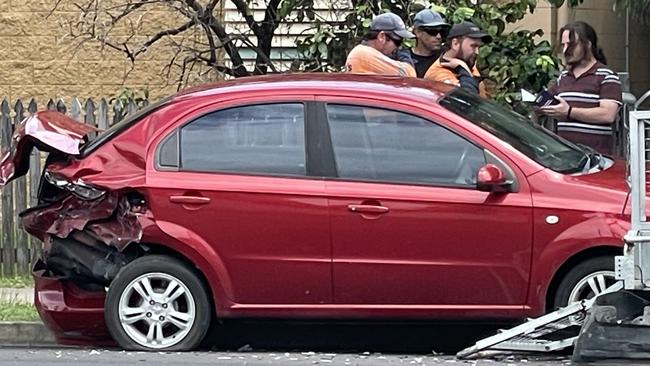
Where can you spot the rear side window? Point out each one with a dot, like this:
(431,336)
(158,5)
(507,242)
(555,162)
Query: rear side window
(263,139)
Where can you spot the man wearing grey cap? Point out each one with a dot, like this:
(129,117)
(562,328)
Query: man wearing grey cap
(430,31)
(380,51)
(457,65)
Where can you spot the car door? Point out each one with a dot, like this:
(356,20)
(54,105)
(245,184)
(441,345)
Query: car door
(408,223)
(237,179)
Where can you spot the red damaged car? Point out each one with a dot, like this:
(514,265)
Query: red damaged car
(312,196)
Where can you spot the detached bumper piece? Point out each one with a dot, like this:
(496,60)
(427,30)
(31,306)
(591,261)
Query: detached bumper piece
(618,327)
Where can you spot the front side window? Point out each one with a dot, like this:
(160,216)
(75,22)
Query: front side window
(264,139)
(385,145)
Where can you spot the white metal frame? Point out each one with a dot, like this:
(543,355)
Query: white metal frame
(634,266)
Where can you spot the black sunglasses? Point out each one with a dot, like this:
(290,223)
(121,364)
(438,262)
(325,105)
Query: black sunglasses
(395,39)
(435,31)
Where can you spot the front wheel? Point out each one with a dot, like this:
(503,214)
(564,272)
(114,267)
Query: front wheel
(157,303)
(586,280)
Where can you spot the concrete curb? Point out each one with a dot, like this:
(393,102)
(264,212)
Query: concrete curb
(25,334)
(22,333)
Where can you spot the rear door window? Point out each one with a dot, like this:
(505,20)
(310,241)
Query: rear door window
(258,139)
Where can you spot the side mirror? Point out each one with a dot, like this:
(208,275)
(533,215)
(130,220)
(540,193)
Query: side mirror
(490,178)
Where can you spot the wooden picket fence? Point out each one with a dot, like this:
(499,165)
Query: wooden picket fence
(18,250)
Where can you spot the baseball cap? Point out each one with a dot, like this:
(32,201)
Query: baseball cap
(469,29)
(429,18)
(390,22)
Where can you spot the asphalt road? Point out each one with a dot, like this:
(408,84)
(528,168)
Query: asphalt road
(257,343)
(101,357)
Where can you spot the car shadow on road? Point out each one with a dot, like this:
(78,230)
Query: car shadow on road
(419,338)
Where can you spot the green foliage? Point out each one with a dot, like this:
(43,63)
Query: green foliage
(514,60)
(17,311)
(125,96)
(16,282)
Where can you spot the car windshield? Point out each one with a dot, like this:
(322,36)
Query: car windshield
(535,141)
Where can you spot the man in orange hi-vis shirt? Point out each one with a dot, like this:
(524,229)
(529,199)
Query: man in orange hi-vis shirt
(380,52)
(457,65)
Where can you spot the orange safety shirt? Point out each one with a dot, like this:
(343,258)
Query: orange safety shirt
(437,72)
(367,60)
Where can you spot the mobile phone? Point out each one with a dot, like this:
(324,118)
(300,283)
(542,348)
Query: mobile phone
(545,98)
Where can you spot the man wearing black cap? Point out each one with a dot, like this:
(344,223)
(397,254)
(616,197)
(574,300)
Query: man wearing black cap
(380,52)
(457,65)
(430,31)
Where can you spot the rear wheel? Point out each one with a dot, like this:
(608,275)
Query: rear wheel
(586,280)
(157,303)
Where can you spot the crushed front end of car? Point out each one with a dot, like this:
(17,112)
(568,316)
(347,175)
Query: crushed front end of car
(85,228)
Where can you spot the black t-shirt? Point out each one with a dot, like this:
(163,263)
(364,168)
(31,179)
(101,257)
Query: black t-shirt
(422,63)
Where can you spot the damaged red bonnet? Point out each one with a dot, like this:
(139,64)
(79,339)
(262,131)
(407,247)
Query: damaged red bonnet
(48,131)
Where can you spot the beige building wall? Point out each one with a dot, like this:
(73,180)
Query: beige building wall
(610,27)
(38,61)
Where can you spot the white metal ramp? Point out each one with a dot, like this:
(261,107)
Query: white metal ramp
(543,334)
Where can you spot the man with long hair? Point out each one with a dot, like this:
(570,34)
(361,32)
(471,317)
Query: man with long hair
(589,93)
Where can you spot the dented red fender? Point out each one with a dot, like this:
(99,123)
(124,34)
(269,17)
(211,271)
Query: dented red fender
(51,131)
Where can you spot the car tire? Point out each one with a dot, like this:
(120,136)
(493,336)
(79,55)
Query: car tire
(576,283)
(157,303)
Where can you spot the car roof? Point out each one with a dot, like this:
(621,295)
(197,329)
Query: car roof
(326,83)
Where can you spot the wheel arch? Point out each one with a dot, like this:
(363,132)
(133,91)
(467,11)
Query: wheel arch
(563,270)
(153,248)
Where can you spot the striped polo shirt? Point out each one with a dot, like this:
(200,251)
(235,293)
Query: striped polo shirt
(586,91)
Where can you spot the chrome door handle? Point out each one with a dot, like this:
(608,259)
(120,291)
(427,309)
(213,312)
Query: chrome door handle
(371,209)
(192,200)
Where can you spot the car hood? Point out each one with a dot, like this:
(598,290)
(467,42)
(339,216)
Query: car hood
(614,178)
(49,131)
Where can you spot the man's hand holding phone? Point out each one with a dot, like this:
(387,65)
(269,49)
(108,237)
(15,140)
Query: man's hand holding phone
(558,109)
(545,98)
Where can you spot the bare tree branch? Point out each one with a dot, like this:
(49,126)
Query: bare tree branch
(265,37)
(211,6)
(159,35)
(231,50)
(197,7)
(212,46)
(221,68)
(118,26)
(130,8)
(261,56)
(247,14)
(54,8)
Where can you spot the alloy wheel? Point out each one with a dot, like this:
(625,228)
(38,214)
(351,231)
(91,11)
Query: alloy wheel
(588,287)
(157,310)
(591,285)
